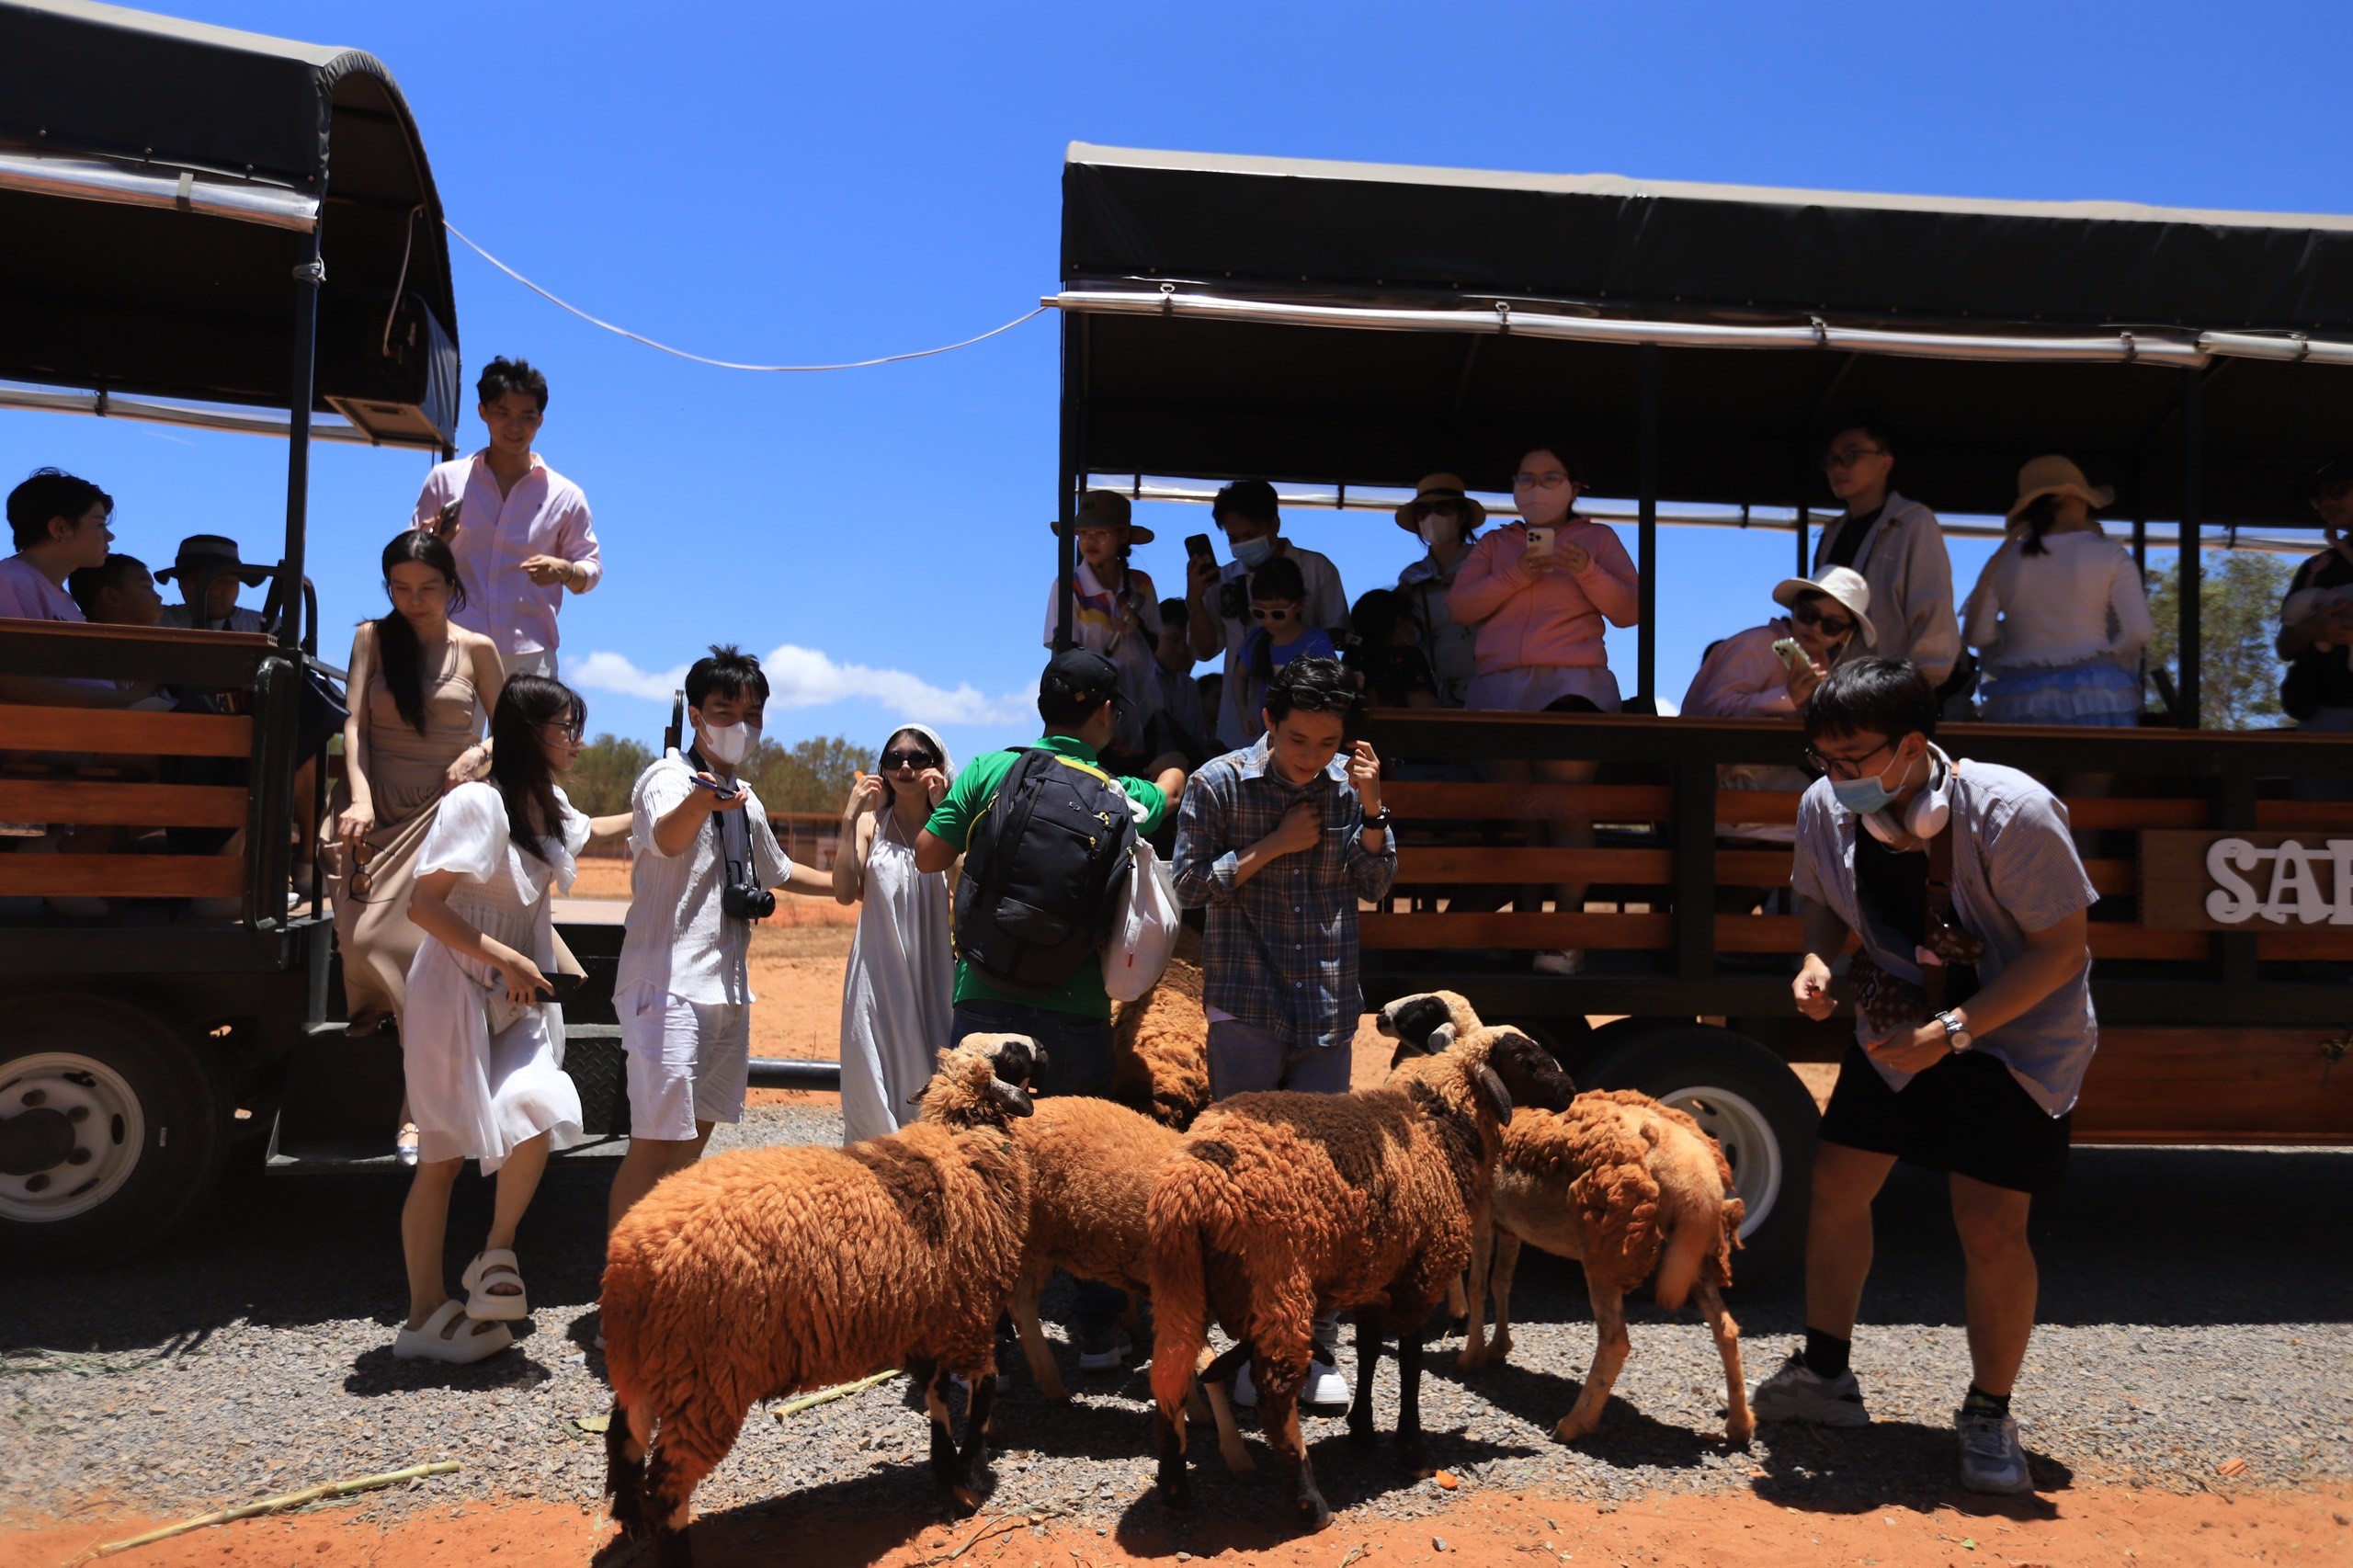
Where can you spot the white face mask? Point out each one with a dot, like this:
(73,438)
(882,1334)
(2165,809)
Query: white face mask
(1434,528)
(729,745)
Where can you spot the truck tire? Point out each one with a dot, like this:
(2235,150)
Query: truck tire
(1756,1108)
(112,1127)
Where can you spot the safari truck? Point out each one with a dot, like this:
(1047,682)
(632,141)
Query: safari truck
(1336,329)
(216,229)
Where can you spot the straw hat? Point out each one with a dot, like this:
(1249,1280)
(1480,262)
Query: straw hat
(1439,487)
(1843,583)
(2055,475)
(1106,509)
(212,554)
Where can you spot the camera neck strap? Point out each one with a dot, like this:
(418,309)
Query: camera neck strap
(718,826)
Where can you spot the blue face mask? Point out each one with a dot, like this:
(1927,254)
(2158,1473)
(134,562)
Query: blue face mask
(1863,796)
(1254,553)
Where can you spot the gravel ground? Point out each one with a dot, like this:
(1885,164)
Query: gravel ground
(2190,1318)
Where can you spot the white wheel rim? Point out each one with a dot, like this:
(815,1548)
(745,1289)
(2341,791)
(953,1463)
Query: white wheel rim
(1748,1139)
(108,1134)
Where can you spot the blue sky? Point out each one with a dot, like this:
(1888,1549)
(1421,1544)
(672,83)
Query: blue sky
(782,182)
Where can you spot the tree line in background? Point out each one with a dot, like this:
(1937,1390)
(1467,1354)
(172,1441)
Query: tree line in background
(814,775)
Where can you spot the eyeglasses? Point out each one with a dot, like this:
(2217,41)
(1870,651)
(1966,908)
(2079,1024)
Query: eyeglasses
(1847,456)
(894,760)
(1807,614)
(564,729)
(1271,612)
(1848,766)
(1552,479)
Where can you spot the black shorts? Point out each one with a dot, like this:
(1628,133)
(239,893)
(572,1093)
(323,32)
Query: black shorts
(1965,1114)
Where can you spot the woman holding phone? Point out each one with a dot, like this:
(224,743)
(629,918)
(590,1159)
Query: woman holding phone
(1115,609)
(1537,594)
(481,1041)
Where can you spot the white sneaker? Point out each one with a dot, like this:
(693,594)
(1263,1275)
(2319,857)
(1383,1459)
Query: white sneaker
(1109,1357)
(1797,1393)
(1992,1458)
(1324,1385)
(1561,960)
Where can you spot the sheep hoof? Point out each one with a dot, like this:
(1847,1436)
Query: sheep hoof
(1738,1436)
(1177,1495)
(1470,1360)
(1570,1429)
(1418,1460)
(1362,1434)
(1458,1326)
(967,1498)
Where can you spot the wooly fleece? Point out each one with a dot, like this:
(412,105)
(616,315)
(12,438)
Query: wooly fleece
(1160,1042)
(765,1272)
(1637,1192)
(1278,1206)
(1091,1167)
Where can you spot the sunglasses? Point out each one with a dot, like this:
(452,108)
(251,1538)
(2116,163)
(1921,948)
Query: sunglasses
(1847,456)
(1269,613)
(1806,614)
(918,760)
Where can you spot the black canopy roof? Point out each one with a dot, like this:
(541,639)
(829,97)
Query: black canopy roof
(1219,398)
(111,291)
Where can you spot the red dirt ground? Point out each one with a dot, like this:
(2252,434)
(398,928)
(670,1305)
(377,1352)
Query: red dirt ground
(2094,1527)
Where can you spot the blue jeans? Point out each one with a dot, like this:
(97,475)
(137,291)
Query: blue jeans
(1245,1059)
(1078,1061)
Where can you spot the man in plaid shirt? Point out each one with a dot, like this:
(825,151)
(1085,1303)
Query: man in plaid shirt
(1279,842)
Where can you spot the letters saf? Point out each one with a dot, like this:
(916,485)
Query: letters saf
(2294,889)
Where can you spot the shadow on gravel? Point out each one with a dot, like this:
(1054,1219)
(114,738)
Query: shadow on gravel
(379,1372)
(1627,1439)
(1908,1464)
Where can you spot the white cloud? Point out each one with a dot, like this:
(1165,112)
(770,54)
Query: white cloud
(805,678)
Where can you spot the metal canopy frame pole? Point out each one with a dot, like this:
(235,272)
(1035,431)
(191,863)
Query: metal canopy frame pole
(2187,571)
(1646,680)
(307,279)
(1066,542)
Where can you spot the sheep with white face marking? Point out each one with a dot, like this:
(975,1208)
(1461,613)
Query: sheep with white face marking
(1276,1207)
(1633,1189)
(769,1271)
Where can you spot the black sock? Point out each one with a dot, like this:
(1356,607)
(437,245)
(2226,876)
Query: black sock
(1999,1404)
(1825,1354)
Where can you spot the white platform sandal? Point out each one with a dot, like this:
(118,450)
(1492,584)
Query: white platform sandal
(442,1338)
(496,1267)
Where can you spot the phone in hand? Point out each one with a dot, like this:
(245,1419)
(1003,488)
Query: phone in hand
(725,791)
(1790,654)
(1198,547)
(1540,538)
(444,522)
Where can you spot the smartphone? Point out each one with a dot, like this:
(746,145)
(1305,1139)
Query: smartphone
(1792,654)
(1540,538)
(444,522)
(1198,547)
(724,791)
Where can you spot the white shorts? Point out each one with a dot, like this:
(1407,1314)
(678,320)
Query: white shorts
(539,663)
(688,1062)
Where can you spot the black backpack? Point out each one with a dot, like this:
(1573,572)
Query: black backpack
(1045,866)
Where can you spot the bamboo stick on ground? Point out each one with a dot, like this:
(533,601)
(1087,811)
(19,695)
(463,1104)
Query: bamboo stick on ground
(279,1503)
(825,1396)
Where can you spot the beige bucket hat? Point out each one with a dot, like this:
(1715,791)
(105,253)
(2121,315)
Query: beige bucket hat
(2055,475)
(1441,487)
(1843,583)
(1106,509)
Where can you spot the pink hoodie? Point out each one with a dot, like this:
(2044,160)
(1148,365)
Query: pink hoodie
(1525,620)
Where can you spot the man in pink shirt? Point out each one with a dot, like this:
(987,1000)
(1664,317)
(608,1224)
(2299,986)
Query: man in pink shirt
(60,525)
(520,530)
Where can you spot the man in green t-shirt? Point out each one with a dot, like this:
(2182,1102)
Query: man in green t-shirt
(1073,1025)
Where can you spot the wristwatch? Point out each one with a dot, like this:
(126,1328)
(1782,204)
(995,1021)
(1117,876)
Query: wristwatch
(1956,1033)
(1378,820)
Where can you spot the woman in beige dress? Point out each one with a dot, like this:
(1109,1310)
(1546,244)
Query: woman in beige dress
(423,686)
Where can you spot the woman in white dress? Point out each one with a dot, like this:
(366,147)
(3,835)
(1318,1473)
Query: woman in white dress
(897,996)
(482,1039)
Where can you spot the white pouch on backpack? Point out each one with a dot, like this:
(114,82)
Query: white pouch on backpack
(1143,930)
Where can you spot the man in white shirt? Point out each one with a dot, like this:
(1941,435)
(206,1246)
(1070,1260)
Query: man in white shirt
(1898,546)
(683,991)
(1219,597)
(520,530)
(207,566)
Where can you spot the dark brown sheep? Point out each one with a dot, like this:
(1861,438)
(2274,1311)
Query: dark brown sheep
(769,1271)
(1160,1043)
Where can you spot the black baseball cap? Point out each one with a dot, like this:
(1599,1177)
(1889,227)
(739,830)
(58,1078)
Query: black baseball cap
(2337,471)
(1080,677)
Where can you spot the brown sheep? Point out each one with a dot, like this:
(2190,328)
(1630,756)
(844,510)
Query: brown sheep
(1160,1042)
(1091,1165)
(1278,1206)
(1629,1187)
(769,1271)
(1634,1190)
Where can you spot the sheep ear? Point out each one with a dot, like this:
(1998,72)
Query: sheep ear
(1012,1097)
(1491,1090)
(1442,1038)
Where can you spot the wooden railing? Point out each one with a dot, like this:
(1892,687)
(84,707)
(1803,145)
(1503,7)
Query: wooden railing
(87,779)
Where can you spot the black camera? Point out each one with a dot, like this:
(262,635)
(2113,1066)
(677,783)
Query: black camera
(1233,598)
(745,900)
